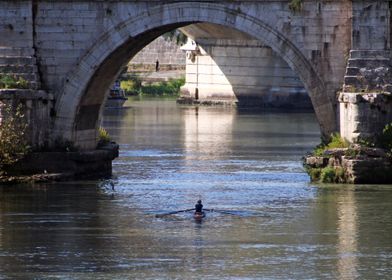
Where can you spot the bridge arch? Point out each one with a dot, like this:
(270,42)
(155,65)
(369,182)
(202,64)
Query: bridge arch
(80,104)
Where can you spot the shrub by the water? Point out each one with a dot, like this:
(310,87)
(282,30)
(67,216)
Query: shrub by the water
(336,142)
(314,174)
(331,174)
(13,128)
(104,137)
(133,86)
(328,175)
(169,88)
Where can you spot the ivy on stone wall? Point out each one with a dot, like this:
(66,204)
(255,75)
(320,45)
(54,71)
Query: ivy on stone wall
(295,5)
(12,82)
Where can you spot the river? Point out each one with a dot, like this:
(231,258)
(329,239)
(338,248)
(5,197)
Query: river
(281,226)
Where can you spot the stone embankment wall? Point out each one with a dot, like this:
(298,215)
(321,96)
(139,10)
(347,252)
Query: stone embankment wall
(17,54)
(18,60)
(166,51)
(354,165)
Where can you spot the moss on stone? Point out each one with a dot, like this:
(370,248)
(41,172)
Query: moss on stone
(295,5)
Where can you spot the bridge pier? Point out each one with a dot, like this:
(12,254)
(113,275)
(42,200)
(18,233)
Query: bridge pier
(365,101)
(241,72)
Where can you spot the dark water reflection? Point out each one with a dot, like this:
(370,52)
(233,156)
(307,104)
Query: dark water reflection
(247,162)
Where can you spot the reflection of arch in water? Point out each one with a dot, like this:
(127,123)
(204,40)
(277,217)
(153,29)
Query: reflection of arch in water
(348,234)
(198,245)
(205,135)
(79,106)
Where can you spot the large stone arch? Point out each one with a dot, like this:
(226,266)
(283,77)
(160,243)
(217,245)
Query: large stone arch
(79,105)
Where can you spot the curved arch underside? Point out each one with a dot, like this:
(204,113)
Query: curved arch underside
(81,101)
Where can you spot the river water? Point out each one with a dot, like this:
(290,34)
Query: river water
(280,225)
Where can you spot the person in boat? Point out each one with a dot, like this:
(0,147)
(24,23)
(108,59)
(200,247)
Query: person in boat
(199,207)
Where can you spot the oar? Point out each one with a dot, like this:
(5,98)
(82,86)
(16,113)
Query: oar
(174,212)
(221,211)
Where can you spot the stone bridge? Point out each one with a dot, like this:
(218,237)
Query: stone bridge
(72,51)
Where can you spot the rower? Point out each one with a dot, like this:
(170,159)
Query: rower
(198,207)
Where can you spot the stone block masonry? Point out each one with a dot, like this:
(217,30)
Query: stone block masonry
(82,45)
(166,51)
(244,73)
(366,99)
(17,55)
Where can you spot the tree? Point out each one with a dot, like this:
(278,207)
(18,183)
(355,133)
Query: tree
(13,128)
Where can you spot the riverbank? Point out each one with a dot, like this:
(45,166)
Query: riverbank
(161,83)
(62,166)
(353,165)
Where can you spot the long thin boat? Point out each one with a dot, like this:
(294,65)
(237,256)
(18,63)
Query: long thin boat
(198,216)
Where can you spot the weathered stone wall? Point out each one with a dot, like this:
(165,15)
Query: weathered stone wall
(64,165)
(371,25)
(36,106)
(17,54)
(365,102)
(79,46)
(245,72)
(82,45)
(16,28)
(364,115)
(166,51)
(353,165)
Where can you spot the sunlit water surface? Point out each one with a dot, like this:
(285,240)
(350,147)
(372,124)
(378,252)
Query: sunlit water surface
(280,227)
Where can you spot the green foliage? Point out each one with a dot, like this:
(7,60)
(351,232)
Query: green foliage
(328,175)
(366,142)
(319,150)
(104,137)
(13,128)
(314,174)
(133,86)
(336,142)
(295,5)
(386,137)
(340,175)
(13,82)
(169,88)
(351,153)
